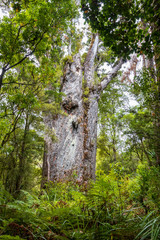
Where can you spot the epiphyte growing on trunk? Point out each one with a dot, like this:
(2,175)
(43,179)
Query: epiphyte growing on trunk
(69,104)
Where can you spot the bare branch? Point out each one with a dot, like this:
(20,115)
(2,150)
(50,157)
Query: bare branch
(112,74)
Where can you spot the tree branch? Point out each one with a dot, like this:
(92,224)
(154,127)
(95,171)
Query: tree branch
(1,77)
(112,74)
(6,68)
(27,55)
(18,83)
(7,136)
(89,62)
(14,44)
(92,51)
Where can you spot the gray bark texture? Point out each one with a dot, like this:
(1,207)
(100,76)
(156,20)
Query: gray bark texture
(74,152)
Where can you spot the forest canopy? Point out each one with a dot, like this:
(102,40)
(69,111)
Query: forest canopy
(126,26)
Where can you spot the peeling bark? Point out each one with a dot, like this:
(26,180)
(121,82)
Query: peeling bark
(76,131)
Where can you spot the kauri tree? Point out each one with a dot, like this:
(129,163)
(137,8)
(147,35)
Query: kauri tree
(76,129)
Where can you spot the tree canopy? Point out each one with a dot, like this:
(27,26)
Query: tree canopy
(32,27)
(125,26)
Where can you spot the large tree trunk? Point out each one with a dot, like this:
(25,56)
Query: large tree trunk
(76,130)
(65,155)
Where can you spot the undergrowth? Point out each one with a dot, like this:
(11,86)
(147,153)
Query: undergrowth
(114,207)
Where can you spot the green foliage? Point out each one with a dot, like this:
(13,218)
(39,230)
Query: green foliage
(21,143)
(104,209)
(145,88)
(33,28)
(119,204)
(123,24)
(8,237)
(110,142)
(67,59)
(141,121)
(129,134)
(143,188)
(4,195)
(150,228)
(31,37)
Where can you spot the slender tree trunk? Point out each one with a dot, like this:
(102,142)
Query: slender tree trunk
(76,130)
(157,108)
(155,26)
(1,77)
(22,158)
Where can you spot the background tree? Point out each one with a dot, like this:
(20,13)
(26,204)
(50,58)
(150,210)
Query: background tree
(29,29)
(135,125)
(21,123)
(112,103)
(129,27)
(142,119)
(30,86)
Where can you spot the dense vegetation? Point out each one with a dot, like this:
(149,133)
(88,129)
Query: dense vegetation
(124,200)
(115,206)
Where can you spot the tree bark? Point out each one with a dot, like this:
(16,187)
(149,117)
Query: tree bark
(74,152)
(65,155)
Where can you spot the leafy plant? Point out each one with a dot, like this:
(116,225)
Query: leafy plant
(8,237)
(150,226)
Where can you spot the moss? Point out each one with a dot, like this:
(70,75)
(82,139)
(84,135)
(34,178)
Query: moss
(83,58)
(85,100)
(83,82)
(67,59)
(86,91)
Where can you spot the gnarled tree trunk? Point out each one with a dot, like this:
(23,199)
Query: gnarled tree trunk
(76,131)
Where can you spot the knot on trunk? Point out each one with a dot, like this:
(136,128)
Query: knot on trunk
(75,125)
(69,104)
(75,122)
(86,154)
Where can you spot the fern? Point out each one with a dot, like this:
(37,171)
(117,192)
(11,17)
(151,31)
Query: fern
(8,237)
(100,211)
(150,228)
